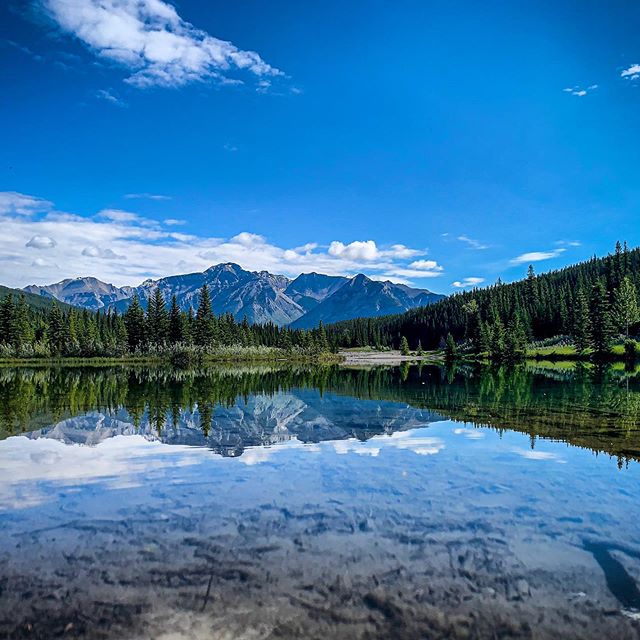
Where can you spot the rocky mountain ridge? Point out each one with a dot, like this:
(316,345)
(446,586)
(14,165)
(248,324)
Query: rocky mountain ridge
(259,296)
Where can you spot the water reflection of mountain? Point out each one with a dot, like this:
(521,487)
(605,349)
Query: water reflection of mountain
(260,420)
(230,409)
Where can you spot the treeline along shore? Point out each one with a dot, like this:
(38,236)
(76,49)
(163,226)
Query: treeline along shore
(162,332)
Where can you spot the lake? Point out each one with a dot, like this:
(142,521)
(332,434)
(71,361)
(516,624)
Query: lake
(320,502)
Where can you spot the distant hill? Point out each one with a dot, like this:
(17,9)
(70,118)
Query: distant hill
(259,296)
(34,301)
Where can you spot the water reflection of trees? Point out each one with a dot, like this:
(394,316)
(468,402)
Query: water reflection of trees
(596,408)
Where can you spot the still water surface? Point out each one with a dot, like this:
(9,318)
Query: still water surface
(412,502)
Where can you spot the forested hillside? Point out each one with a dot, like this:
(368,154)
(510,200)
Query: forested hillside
(32,300)
(589,303)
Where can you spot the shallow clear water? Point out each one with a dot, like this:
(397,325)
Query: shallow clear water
(333,503)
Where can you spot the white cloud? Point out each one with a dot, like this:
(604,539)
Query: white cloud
(632,72)
(118,215)
(357,250)
(416,270)
(475,244)
(580,92)
(247,239)
(263,86)
(153,42)
(174,222)
(368,250)
(306,248)
(417,273)
(106,254)
(426,265)
(22,48)
(22,204)
(91,252)
(400,251)
(41,242)
(109,96)
(387,277)
(146,196)
(536,256)
(467,282)
(126,248)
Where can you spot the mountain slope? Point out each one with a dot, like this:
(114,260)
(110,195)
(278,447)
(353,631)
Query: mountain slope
(362,297)
(89,293)
(310,289)
(257,295)
(34,300)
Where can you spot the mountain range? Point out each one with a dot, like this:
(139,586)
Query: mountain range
(257,295)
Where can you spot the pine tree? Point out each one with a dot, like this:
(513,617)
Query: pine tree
(72,330)
(404,346)
(496,341)
(515,341)
(625,306)
(7,320)
(203,331)
(484,340)
(189,324)
(176,323)
(601,324)
(157,318)
(473,325)
(616,268)
(247,334)
(135,324)
(323,343)
(419,351)
(581,322)
(284,340)
(532,289)
(22,326)
(56,330)
(89,335)
(121,338)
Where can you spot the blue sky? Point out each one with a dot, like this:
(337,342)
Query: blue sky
(426,142)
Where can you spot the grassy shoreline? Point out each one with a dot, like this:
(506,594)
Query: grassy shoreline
(358,355)
(164,361)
